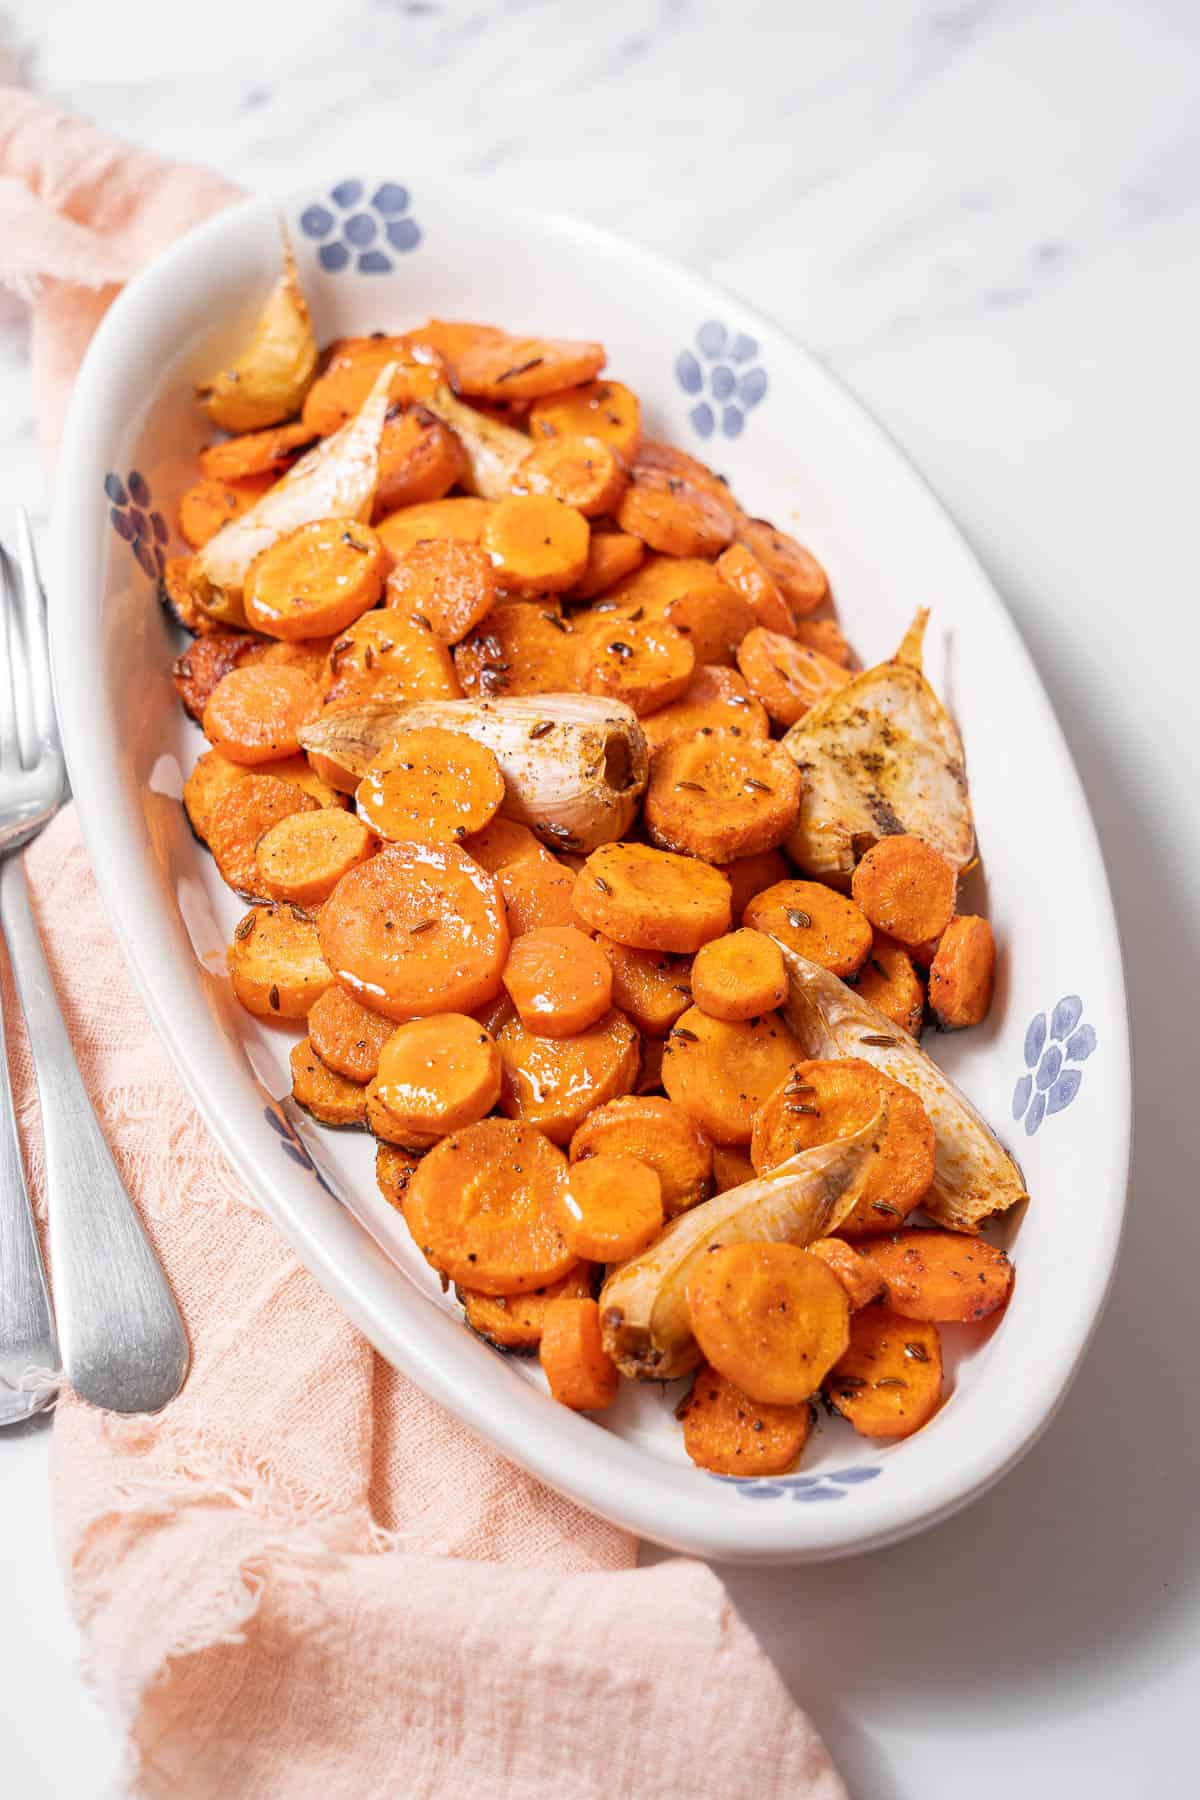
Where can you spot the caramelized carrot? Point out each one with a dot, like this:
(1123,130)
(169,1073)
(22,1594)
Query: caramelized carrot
(420,459)
(685,592)
(351,369)
(391,656)
(211,777)
(430,786)
(514,1322)
(316,580)
(769,1317)
(554,1083)
(715,699)
(727,1433)
(890,982)
(962,973)
(814,921)
(669,459)
(940,1276)
(255,453)
(310,655)
(611,556)
(658,1133)
(651,899)
(852,1269)
(394,1169)
(207,661)
(670,514)
(739,976)
(523,649)
(650,987)
(746,575)
(536,544)
(275,963)
(611,1207)
(647,665)
(242,814)
(452,585)
(731,1167)
(437,1075)
(889,1382)
(559,981)
(504,842)
(721,1073)
(211,503)
(461,518)
(346,1036)
(649,1079)
(794,570)
(330,1098)
(580,471)
(522,368)
(905,888)
(579,1370)
(538,894)
(750,875)
(303,857)
(720,797)
(299,770)
(417,929)
(826,636)
(254,713)
(786,676)
(601,409)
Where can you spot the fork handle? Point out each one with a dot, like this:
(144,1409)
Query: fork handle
(28,1350)
(123,1344)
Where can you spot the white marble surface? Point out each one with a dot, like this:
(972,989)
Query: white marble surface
(985,217)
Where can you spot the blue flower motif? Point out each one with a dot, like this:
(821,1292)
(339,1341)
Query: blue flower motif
(716,374)
(832,1485)
(1052,1046)
(363,231)
(135,523)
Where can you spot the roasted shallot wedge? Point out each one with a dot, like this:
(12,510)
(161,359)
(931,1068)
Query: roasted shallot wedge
(881,755)
(268,381)
(643,1304)
(494,451)
(574,765)
(974,1177)
(335,480)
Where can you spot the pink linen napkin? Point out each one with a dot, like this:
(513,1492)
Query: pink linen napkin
(304,1579)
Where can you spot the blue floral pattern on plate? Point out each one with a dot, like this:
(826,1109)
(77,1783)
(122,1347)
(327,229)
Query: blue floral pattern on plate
(130,512)
(366,232)
(722,374)
(1054,1048)
(833,1484)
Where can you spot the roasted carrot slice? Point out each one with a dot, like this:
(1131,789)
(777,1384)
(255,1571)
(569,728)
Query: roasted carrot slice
(391,1130)
(461,518)
(417,929)
(275,963)
(303,857)
(450,585)
(746,575)
(852,1269)
(962,972)
(794,570)
(731,1167)
(906,888)
(819,1102)
(688,593)
(941,1276)
(394,1169)
(786,676)
(659,1134)
(889,980)
(815,921)
(650,987)
(254,713)
(652,899)
(750,875)
(673,516)
(559,981)
(392,656)
(603,409)
(715,699)
(537,894)
(720,797)
(328,1097)
(826,636)
(308,654)
(514,1322)
(438,1075)
(352,365)
(420,459)
(611,556)
(649,1079)
(255,452)
(481,1208)
(504,842)
(647,665)
(739,976)
(579,1370)
(522,368)
(175,592)
(431,786)
(240,816)
(347,1037)
(611,1207)
(211,503)
(669,459)
(580,471)
(554,1083)
(527,648)
(536,544)
(316,580)
(889,1382)
(207,661)
(727,1433)
(769,1317)
(211,777)
(721,1073)
(299,770)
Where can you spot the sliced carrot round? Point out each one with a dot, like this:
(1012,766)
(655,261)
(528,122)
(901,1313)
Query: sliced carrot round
(420,459)
(559,981)
(515,1321)
(205,508)
(241,816)
(670,514)
(686,592)
(647,664)
(438,1075)
(889,1382)
(721,797)
(482,1208)
(611,556)
(255,452)
(417,929)
(611,1207)
(749,875)
(652,899)
(431,786)
(554,1083)
(255,712)
(315,580)
(746,575)
(722,1071)
(942,1276)
(523,648)
(582,472)
(304,856)
(450,586)
(503,842)
(347,1037)
(275,963)
(536,544)
(739,976)
(728,1433)
(962,972)
(502,368)
(394,1169)
(715,699)
(821,1101)
(211,778)
(794,570)
(579,1370)
(537,894)
(657,1132)
(905,888)
(649,986)
(852,1269)
(826,636)
(786,676)
(889,980)
(330,1098)
(390,655)
(602,409)
(769,1317)
(814,921)
(460,517)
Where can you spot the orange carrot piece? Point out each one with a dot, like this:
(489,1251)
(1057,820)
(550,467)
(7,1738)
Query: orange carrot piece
(731,1167)
(669,459)
(275,963)
(212,777)
(351,369)
(889,980)
(786,676)
(303,857)
(670,514)
(720,797)
(905,888)
(254,713)
(728,1433)
(769,1317)
(389,655)
(852,1269)
(315,580)
(514,1322)
(889,1382)
(603,409)
(962,973)
(650,987)
(243,814)
(715,699)
(815,921)
(450,585)
(685,592)
(722,1072)
(207,661)
(255,452)
(746,575)
(611,1207)
(559,981)
(580,471)
(657,1132)
(579,1370)
(523,368)
(330,1098)
(527,648)
(652,899)
(942,1276)
(554,1083)
(460,517)
(348,1037)
(420,459)
(611,556)
(647,665)
(739,976)
(394,1169)
(794,570)
(504,842)
(536,544)
(826,636)
(538,895)
(211,503)
(430,786)
(436,1076)
(750,875)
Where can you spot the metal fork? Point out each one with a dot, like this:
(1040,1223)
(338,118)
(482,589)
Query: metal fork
(122,1340)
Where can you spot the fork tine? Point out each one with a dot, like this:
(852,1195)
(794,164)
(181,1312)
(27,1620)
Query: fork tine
(10,751)
(33,620)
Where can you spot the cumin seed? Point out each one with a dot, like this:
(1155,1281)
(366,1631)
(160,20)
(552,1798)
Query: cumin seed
(245,926)
(273,999)
(878,1038)
(760,787)
(541,728)
(798,919)
(421,925)
(689,1037)
(918,1352)
(693,787)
